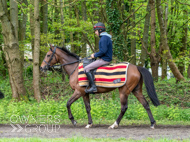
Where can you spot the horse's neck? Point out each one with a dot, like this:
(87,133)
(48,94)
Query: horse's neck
(69,68)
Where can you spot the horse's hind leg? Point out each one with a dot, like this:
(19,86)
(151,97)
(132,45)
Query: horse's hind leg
(124,106)
(138,94)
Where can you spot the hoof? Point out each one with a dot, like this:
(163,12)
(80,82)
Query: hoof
(74,122)
(88,126)
(114,126)
(152,125)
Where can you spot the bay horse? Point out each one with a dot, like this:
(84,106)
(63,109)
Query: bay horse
(135,75)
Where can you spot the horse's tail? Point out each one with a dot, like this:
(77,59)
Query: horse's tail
(1,95)
(148,80)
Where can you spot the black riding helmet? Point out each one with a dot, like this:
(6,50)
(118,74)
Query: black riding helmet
(100,27)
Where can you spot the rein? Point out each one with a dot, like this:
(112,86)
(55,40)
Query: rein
(72,63)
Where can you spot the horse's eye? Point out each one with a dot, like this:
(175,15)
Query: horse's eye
(48,55)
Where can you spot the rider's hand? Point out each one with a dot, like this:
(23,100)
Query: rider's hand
(92,55)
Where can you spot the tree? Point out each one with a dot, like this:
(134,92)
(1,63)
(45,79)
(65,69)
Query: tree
(114,26)
(62,22)
(11,48)
(154,55)
(36,74)
(165,46)
(145,36)
(22,28)
(32,25)
(133,34)
(188,70)
(44,27)
(84,18)
(164,60)
(183,47)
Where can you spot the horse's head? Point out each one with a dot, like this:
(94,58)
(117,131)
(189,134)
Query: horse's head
(50,59)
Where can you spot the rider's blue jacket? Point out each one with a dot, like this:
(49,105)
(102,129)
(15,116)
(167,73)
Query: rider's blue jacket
(105,47)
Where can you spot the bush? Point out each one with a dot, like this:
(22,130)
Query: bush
(100,110)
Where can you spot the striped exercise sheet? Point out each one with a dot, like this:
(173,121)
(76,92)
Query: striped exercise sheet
(110,76)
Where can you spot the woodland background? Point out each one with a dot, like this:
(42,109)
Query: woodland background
(149,33)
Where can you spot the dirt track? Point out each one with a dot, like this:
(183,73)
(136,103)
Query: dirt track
(98,131)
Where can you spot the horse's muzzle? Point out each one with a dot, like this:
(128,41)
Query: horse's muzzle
(44,69)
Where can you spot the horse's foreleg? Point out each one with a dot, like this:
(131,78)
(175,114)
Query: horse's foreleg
(88,108)
(73,98)
(124,106)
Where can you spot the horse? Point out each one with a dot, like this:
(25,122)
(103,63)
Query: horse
(135,75)
(1,95)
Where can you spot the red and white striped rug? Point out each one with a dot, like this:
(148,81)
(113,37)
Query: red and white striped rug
(109,76)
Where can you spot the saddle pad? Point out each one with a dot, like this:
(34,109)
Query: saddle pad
(110,76)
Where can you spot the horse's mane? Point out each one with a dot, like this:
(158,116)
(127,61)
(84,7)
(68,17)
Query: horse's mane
(68,52)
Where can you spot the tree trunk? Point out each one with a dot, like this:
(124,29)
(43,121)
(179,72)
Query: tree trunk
(164,60)
(56,18)
(71,33)
(164,68)
(143,56)
(44,19)
(154,56)
(36,74)
(122,9)
(22,32)
(14,17)
(84,18)
(3,70)
(45,16)
(183,48)
(32,26)
(96,18)
(11,49)
(188,70)
(133,40)
(77,34)
(62,22)
(166,49)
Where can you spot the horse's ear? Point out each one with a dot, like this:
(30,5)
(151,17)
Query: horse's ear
(51,46)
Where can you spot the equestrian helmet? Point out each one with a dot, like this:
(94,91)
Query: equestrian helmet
(99,26)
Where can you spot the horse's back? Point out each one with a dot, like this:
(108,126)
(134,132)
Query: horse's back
(133,78)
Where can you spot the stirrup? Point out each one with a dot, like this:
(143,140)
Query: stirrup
(87,90)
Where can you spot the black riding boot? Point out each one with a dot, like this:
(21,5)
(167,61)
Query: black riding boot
(91,83)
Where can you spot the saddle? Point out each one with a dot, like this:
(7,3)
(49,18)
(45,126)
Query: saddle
(109,76)
(87,61)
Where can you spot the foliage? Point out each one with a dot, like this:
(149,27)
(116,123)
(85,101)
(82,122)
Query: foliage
(53,87)
(31,112)
(114,25)
(170,92)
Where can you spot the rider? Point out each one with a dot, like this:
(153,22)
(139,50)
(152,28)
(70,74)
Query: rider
(104,54)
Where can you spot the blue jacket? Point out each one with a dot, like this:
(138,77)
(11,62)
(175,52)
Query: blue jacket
(105,47)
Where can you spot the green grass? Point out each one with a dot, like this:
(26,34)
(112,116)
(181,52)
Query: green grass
(103,111)
(82,139)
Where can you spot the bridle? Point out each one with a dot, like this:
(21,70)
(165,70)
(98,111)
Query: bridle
(62,65)
(48,63)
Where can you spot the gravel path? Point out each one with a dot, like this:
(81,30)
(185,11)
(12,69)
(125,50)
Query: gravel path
(97,131)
